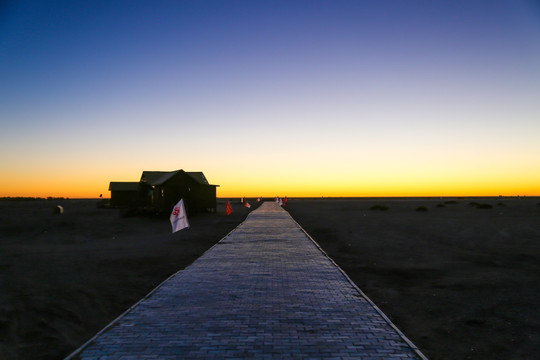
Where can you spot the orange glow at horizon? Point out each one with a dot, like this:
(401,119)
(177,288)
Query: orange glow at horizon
(234,189)
(334,179)
(87,193)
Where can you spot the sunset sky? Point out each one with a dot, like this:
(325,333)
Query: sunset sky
(296,98)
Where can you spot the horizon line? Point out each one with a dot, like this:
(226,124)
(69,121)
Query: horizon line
(290,197)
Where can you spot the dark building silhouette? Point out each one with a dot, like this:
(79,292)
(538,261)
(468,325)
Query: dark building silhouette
(159,191)
(125,193)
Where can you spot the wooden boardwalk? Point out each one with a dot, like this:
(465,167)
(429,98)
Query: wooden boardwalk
(265,291)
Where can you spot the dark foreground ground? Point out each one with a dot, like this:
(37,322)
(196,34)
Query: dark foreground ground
(64,277)
(459,281)
(462,282)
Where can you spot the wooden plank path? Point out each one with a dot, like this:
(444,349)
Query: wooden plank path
(265,291)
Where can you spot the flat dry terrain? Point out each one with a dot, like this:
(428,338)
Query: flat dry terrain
(64,277)
(459,281)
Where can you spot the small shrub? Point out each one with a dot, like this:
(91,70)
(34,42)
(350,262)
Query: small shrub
(484,206)
(440,205)
(501,204)
(474,203)
(379,207)
(421,208)
(450,202)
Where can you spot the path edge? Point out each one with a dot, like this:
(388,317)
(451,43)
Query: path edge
(80,349)
(383,315)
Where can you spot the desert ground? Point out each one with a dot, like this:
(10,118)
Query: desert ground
(64,277)
(458,276)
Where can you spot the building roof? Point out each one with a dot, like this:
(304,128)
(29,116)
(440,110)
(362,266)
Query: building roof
(123,186)
(157,177)
(198,176)
(160,177)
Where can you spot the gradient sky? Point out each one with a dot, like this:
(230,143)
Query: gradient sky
(296,98)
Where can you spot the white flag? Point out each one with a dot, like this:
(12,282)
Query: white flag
(178,217)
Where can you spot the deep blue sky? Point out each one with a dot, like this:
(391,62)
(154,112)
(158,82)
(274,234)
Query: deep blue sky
(386,97)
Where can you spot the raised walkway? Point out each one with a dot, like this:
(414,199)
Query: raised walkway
(265,291)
